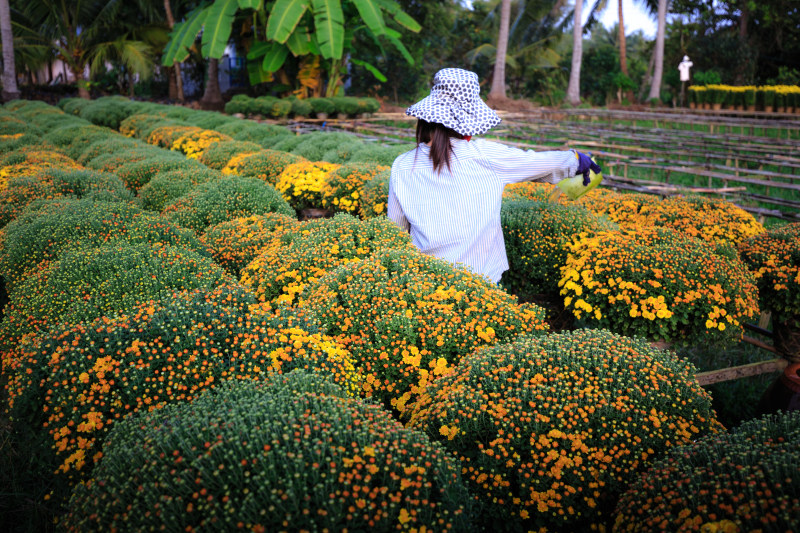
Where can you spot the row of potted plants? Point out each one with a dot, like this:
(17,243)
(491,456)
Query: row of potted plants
(321,108)
(771,98)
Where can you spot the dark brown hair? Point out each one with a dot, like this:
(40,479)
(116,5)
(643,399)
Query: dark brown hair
(439,136)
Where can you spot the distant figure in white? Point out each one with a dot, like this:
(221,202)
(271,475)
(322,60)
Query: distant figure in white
(683,68)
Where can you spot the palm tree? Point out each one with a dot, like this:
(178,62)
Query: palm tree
(623,55)
(658,68)
(176,67)
(85,34)
(499,77)
(574,87)
(10,90)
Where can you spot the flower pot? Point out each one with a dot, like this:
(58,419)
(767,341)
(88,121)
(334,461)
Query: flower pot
(341,116)
(768,109)
(786,337)
(783,394)
(716,106)
(751,107)
(780,109)
(312,213)
(692,105)
(322,116)
(706,105)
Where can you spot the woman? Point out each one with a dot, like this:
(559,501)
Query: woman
(448,190)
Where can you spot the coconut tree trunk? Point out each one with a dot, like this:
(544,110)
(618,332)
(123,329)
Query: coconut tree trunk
(623,55)
(10,90)
(574,87)
(658,69)
(498,90)
(80,81)
(176,67)
(212,96)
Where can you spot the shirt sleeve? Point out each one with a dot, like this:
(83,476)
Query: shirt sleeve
(394,210)
(513,165)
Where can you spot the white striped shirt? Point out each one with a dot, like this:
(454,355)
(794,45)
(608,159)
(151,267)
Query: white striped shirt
(455,214)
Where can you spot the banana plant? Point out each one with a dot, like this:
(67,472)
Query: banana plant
(297,27)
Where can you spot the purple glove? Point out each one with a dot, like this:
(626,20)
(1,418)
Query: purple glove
(585,164)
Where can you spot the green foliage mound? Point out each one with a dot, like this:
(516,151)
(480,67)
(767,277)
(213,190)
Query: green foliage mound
(106,113)
(88,375)
(224,199)
(375,195)
(47,228)
(113,144)
(220,153)
(80,133)
(266,135)
(305,253)
(745,480)
(322,105)
(550,430)
(313,146)
(406,317)
(260,448)
(266,165)
(53,183)
(235,243)
(381,154)
(138,173)
(537,235)
(165,187)
(110,162)
(91,282)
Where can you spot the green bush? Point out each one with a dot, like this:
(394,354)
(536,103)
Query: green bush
(266,165)
(322,105)
(220,153)
(382,154)
(235,243)
(537,237)
(266,135)
(138,173)
(343,153)
(73,106)
(659,284)
(342,191)
(375,195)
(211,120)
(745,480)
(240,103)
(47,228)
(112,161)
(346,105)
(224,199)
(300,108)
(302,255)
(105,113)
(63,137)
(237,126)
(407,317)
(286,443)
(551,430)
(271,107)
(90,282)
(110,145)
(166,187)
(313,146)
(102,370)
(141,126)
(14,143)
(368,105)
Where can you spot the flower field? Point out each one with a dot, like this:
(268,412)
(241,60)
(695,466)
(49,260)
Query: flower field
(181,351)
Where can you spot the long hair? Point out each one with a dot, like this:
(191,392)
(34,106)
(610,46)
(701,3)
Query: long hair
(439,136)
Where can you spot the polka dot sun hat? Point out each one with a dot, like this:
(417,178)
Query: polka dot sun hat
(455,102)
